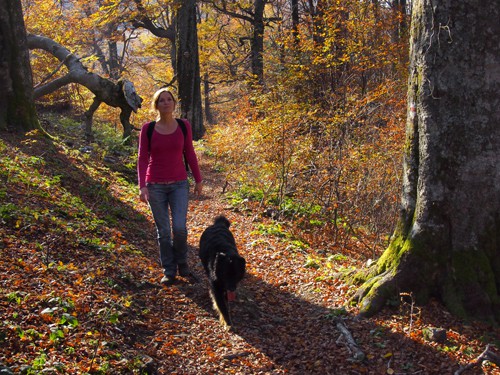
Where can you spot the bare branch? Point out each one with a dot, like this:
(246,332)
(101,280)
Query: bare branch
(487,355)
(351,344)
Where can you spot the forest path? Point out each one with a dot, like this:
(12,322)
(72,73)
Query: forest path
(282,317)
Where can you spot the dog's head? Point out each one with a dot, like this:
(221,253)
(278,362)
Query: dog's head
(230,270)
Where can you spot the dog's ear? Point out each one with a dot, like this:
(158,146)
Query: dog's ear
(241,263)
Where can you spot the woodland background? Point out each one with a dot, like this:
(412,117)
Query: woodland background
(305,156)
(319,137)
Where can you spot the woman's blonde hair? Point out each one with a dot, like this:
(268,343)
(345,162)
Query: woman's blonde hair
(156,97)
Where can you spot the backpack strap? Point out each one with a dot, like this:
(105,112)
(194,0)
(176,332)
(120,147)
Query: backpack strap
(184,131)
(151,127)
(183,127)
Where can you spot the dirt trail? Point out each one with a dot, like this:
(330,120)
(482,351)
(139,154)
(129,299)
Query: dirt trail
(282,318)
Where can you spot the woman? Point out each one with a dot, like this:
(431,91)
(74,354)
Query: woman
(163,182)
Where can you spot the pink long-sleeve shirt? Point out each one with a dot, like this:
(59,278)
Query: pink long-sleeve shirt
(165,163)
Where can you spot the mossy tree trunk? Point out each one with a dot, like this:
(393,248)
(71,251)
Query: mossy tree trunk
(447,242)
(188,67)
(17,108)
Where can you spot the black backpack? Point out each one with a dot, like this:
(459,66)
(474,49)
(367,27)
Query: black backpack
(151,127)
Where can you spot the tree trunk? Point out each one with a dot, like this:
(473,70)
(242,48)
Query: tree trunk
(206,93)
(400,6)
(188,67)
(295,20)
(257,47)
(258,21)
(447,242)
(17,108)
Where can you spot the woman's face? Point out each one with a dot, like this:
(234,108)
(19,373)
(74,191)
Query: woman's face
(166,103)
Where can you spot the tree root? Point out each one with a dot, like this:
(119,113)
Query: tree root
(374,293)
(350,343)
(487,355)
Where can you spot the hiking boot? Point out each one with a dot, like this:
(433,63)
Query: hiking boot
(184,270)
(167,280)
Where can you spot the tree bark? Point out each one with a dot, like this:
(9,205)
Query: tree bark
(17,108)
(257,47)
(447,242)
(206,94)
(188,67)
(295,20)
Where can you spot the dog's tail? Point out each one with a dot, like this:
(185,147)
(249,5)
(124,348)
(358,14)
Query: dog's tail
(222,220)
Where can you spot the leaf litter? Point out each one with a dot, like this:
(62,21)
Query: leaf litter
(80,290)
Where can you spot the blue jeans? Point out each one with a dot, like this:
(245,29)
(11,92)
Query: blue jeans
(166,200)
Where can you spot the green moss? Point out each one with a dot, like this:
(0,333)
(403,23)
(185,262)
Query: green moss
(390,259)
(474,267)
(399,246)
(360,276)
(426,264)
(379,290)
(392,255)
(452,299)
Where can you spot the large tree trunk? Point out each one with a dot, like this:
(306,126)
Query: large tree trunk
(188,67)
(447,242)
(17,108)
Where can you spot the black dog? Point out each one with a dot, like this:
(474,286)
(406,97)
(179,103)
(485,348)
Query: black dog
(225,268)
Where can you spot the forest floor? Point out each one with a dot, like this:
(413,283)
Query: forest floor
(80,286)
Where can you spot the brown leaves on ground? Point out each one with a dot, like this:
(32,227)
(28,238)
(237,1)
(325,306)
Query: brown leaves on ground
(80,291)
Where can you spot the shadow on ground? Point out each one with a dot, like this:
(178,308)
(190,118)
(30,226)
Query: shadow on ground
(302,338)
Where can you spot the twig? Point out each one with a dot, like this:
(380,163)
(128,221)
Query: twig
(54,72)
(236,355)
(412,308)
(351,344)
(487,355)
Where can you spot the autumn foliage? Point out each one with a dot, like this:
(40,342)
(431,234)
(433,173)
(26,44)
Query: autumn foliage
(80,290)
(321,141)
(306,163)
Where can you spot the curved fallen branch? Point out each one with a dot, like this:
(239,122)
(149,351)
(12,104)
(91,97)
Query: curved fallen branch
(487,355)
(119,94)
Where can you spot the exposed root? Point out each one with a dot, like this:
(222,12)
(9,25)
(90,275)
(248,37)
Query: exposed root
(373,295)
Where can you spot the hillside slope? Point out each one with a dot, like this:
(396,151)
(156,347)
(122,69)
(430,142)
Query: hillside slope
(80,291)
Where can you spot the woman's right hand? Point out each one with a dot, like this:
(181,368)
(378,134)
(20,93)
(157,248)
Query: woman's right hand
(144,194)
